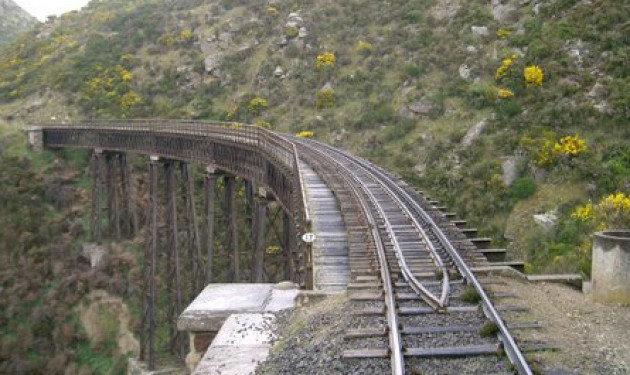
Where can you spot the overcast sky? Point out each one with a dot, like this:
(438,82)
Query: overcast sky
(43,8)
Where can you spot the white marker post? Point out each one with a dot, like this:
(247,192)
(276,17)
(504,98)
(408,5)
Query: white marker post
(309,237)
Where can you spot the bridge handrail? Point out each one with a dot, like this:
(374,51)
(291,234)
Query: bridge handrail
(268,142)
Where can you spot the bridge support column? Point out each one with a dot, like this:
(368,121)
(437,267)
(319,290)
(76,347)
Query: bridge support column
(147,349)
(192,230)
(259,217)
(97,181)
(130,215)
(209,189)
(173,270)
(113,215)
(232,235)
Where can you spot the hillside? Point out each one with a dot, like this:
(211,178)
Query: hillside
(512,113)
(13,20)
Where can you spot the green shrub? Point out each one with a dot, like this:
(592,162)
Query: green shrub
(523,188)
(413,71)
(470,295)
(507,109)
(489,329)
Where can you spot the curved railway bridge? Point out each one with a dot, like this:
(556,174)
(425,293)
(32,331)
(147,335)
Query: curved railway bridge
(404,261)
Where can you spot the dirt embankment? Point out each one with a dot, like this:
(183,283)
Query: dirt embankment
(592,338)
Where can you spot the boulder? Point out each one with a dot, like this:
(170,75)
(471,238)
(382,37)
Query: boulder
(546,221)
(464,71)
(474,133)
(479,31)
(213,62)
(598,91)
(279,72)
(420,169)
(421,107)
(510,170)
(97,254)
(504,13)
(294,20)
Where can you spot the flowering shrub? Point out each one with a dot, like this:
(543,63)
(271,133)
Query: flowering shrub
(325,60)
(365,48)
(273,249)
(552,148)
(325,98)
(503,33)
(291,32)
(125,75)
(257,105)
(233,125)
(263,123)
(496,183)
(610,213)
(304,134)
(129,101)
(504,93)
(110,89)
(505,68)
(186,35)
(272,11)
(584,213)
(534,76)
(570,145)
(546,155)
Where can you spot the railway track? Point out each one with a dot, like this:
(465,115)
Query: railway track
(417,305)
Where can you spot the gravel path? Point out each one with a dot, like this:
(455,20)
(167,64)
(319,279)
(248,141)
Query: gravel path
(311,340)
(593,338)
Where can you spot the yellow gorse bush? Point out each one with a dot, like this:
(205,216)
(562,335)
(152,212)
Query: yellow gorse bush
(325,60)
(325,98)
(125,75)
(584,213)
(256,105)
(272,11)
(365,47)
(570,145)
(617,202)
(546,155)
(551,148)
(291,32)
(505,68)
(534,76)
(186,35)
(503,33)
(263,123)
(273,249)
(129,101)
(611,212)
(304,134)
(504,93)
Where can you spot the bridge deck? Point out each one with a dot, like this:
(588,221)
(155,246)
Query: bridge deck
(331,271)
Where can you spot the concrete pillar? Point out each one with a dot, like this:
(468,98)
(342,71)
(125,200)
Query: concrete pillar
(35,138)
(611,267)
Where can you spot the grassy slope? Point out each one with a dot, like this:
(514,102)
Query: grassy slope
(417,56)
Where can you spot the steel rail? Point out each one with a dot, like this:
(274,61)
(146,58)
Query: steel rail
(509,344)
(395,337)
(438,304)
